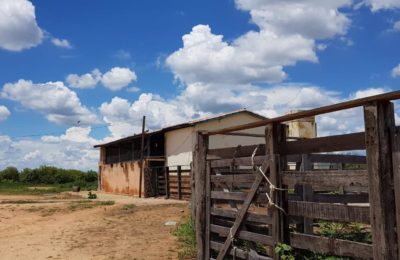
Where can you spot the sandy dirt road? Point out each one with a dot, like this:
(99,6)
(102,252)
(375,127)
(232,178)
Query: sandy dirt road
(40,227)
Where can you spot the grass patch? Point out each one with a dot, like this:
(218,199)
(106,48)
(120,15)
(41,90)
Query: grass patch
(185,233)
(9,188)
(105,203)
(20,188)
(88,204)
(20,201)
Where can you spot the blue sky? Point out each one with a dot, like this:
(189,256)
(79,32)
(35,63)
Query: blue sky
(75,73)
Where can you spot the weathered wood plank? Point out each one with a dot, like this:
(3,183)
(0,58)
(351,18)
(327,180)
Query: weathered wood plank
(167,182)
(199,165)
(208,212)
(334,143)
(395,137)
(379,119)
(327,211)
(331,246)
(242,212)
(255,217)
(243,151)
(233,178)
(327,178)
(312,112)
(246,235)
(339,198)
(238,252)
(338,158)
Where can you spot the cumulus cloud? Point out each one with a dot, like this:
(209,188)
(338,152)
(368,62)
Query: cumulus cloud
(125,117)
(118,78)
(18,26)
(4,113)
(62,43)
(88,80)
(59,103)
(74,149)
(114,79)
(377,5)
(396,71)
(396,26)
(288,31)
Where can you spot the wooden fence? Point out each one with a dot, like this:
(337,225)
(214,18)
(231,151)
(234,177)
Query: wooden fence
(178,183)
(247,204)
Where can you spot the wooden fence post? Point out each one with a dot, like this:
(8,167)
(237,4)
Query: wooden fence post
(379,120)
(274,135)
(208,212)
(179,174)
(199,171)
(307,192)
(166,173)
(395,137)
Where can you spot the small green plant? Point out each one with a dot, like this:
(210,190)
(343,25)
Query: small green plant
(185,233)
(348,231)
(92,196)
(284,251)
(105,203)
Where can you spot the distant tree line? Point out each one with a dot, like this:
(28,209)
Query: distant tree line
(48,175)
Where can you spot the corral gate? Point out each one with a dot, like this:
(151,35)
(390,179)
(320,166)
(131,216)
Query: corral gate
(250,199)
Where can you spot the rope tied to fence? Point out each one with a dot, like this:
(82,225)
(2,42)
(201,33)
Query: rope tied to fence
(272,187)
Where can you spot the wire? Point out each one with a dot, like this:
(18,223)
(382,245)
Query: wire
(62,132)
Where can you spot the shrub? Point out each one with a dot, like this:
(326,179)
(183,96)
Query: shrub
(10,174)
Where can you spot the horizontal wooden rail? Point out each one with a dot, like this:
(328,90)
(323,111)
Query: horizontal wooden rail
(326,211)
(338,158)
(239,252)
(346,142)
(312,112)
(228,213)
(247,235)
(327,178)
(331,246)
(233,178)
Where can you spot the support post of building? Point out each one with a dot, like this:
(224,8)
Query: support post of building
(199,171)
(179,175)
(166,174)
(379,120)
(142,158)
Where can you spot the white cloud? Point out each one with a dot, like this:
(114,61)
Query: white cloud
(114,79)
(396,26)
(88,80)
(4,113)
(74,149)
(313,19)
(377,5)
(62,43)
(56,101)
(18,26)
(133,89)
(396,71)
(118,78)
(122,55)
(125,117)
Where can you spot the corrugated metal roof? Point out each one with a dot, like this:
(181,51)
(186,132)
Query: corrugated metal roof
(183,125)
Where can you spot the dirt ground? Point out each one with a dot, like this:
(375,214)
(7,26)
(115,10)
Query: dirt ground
(70,227)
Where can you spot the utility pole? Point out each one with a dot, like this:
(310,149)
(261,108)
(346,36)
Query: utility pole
(142,157)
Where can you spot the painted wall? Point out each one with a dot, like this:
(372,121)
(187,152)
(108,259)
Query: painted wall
(180,143)
(121,178)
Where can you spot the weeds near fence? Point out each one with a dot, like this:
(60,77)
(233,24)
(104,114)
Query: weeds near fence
(185,232)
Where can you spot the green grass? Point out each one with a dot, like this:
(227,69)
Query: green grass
(88,204)
(185,233)
(18,188)
(9,188)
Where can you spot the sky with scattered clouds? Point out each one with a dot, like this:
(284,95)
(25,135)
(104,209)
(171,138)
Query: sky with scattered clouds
(77,73)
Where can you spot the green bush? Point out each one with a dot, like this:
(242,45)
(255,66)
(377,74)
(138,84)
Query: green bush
(47,175)
(10,174)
